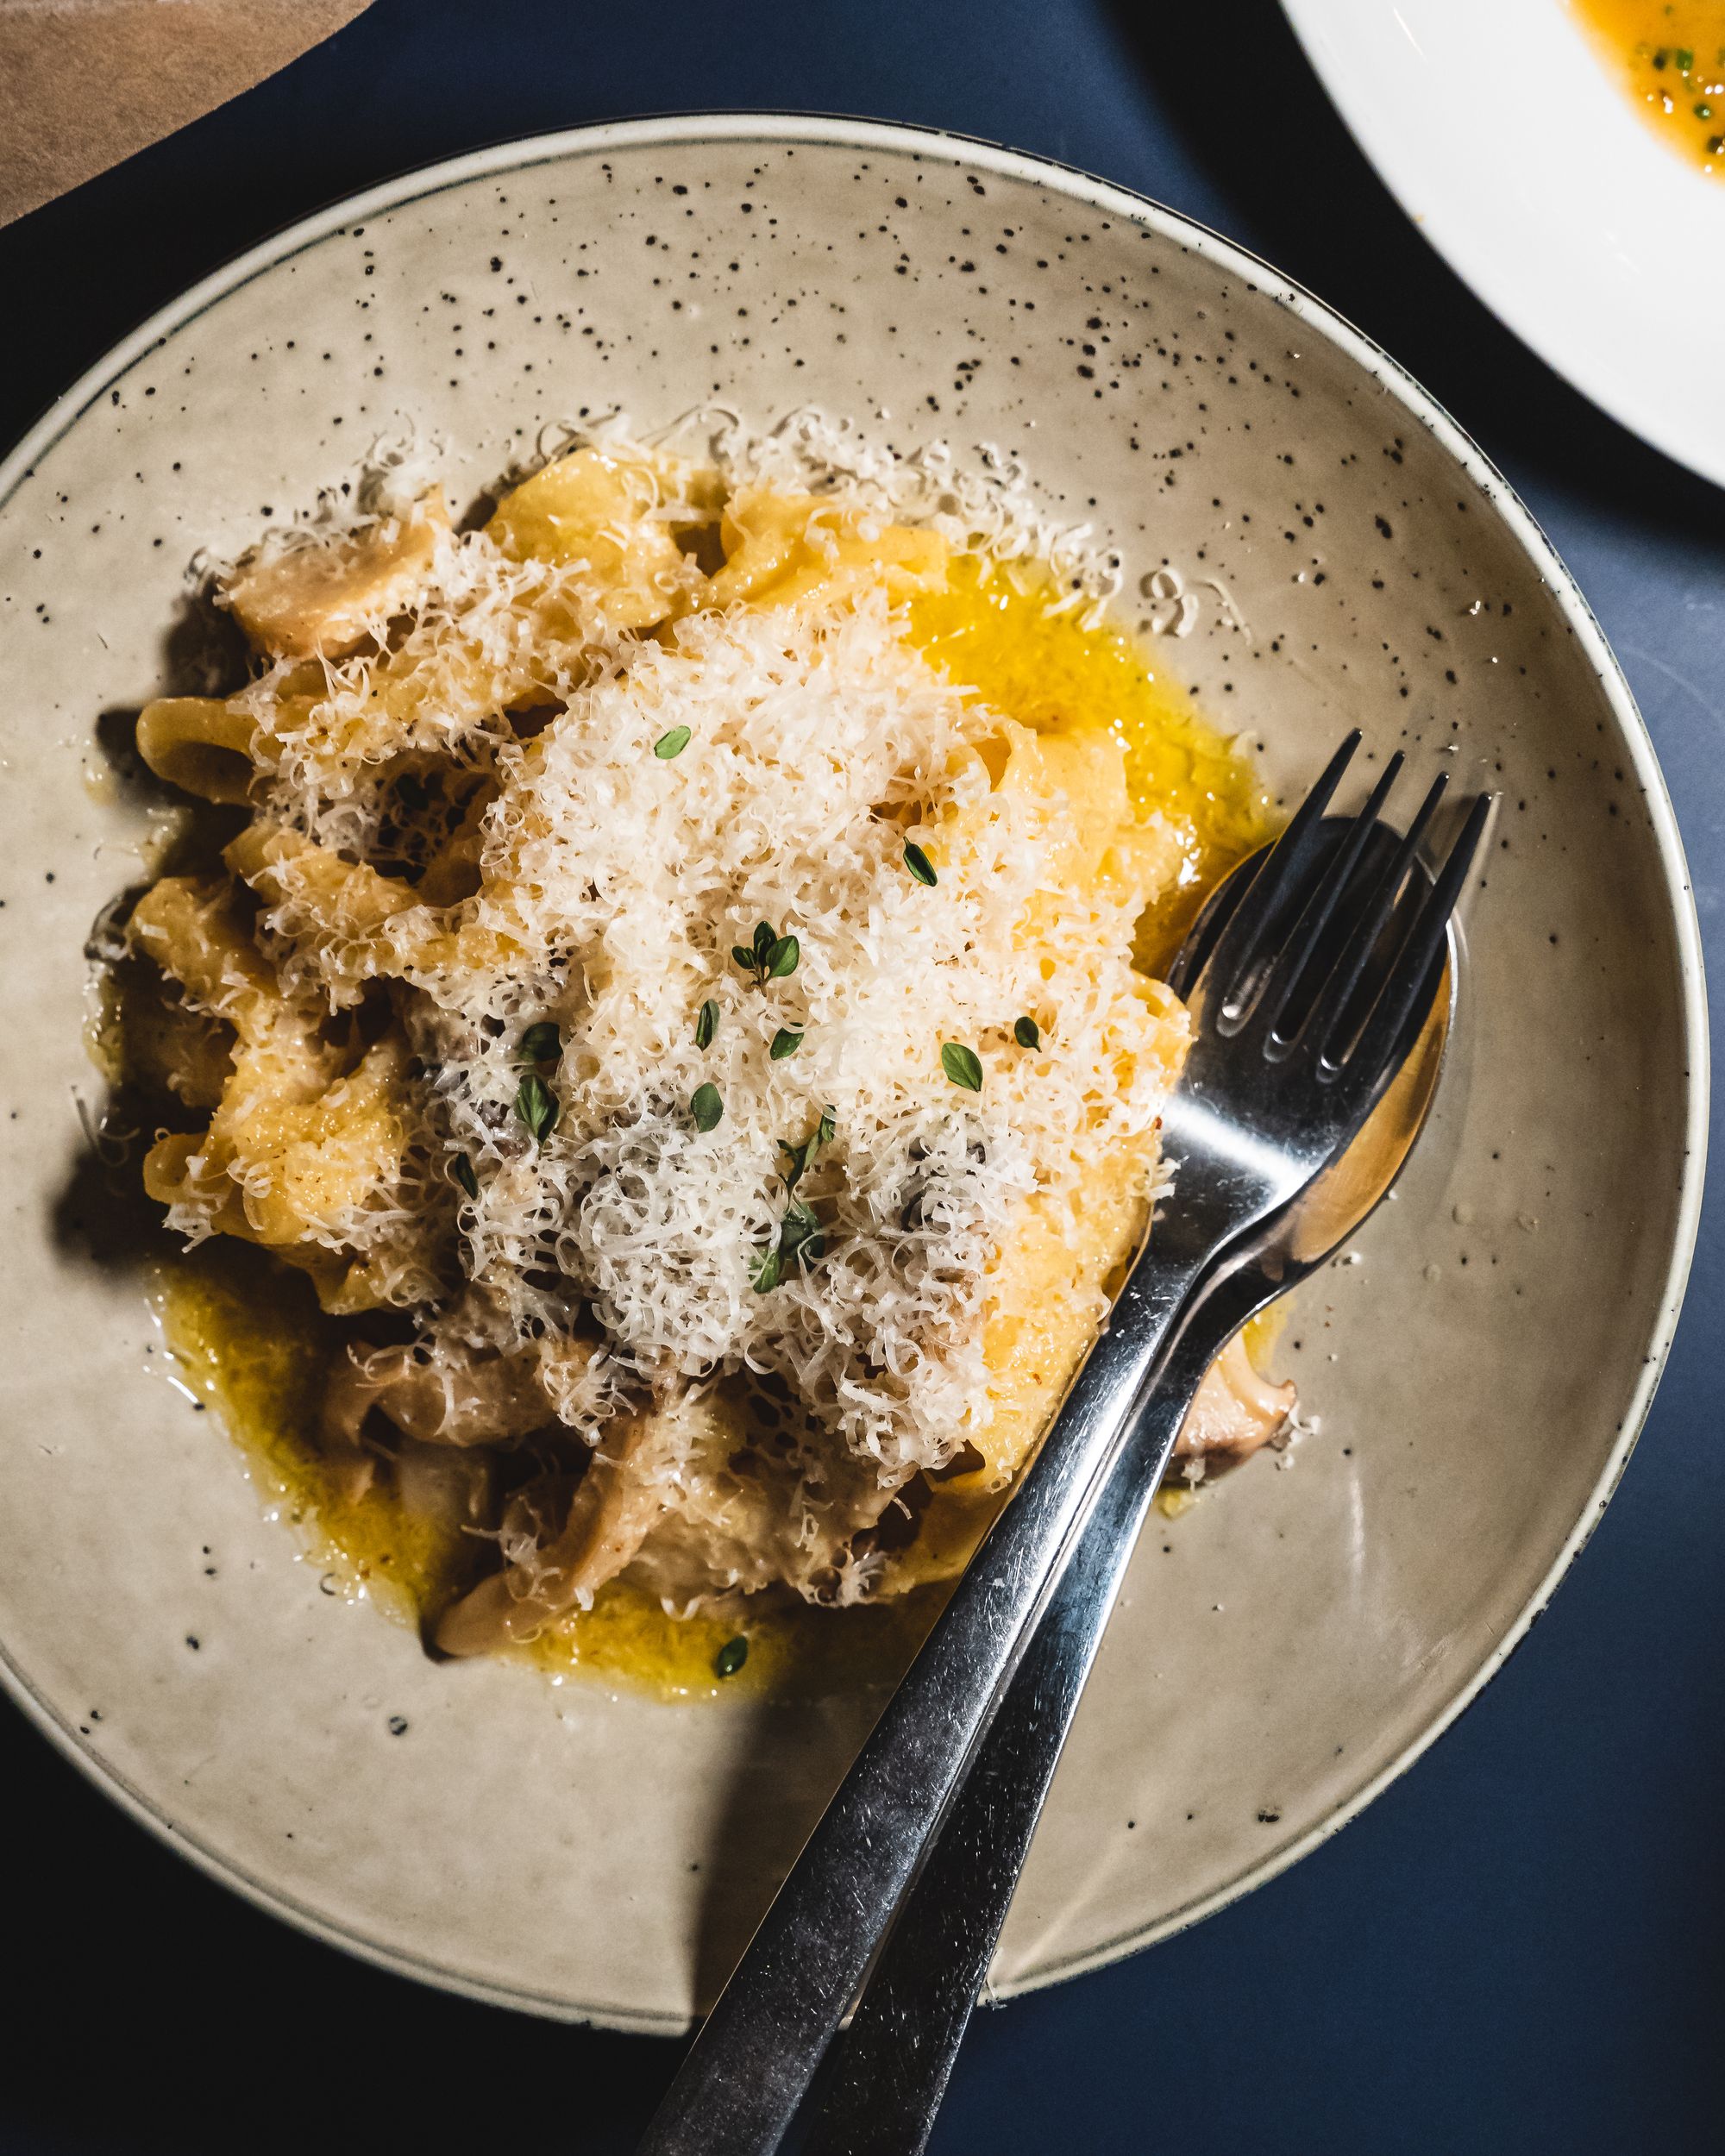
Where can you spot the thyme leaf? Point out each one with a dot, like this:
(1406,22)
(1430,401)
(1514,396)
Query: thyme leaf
(961,1065)
(802,1157)
(537,1106)
(541,1043)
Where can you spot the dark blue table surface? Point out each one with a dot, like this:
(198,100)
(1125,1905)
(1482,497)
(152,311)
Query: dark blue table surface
(1518,1947)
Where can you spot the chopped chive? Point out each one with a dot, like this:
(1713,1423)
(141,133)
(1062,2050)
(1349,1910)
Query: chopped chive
(706,1108)
(919,864)
(1027,1033)
(1704,112)
(961,1065)
(786,1043)
(781,959)
(730,1657)
(463,1170)
(1684,58)
(672,744)
(541,1043)
(536,1106)
(706,1024)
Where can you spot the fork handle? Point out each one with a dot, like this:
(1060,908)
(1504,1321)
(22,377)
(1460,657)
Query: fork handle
(747,2071)
(896,2057)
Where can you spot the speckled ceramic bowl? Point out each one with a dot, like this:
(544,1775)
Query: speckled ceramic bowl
(1479,1373)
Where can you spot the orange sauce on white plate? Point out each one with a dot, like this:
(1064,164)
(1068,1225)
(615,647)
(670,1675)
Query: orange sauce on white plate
(1670,55)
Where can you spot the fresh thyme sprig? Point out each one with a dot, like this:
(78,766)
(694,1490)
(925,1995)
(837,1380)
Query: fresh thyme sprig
(770,957)
(801,1237)
(802,1157)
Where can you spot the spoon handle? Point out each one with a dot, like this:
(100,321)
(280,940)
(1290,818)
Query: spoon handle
(894,2061)
(750,2067)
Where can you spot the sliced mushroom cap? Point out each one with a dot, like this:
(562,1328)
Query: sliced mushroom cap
(1236,1410)
(615,1504)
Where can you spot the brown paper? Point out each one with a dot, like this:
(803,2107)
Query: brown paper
(85,83)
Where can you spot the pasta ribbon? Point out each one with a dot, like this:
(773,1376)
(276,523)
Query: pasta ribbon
(616,516)
(310,591)
(202,745)
(782,549)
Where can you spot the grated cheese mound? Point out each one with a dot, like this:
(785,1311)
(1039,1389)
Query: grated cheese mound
(725,1028)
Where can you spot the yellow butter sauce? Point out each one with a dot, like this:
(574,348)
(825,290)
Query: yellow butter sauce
(251,1344)
(1670,55)
(254,1347)
(991,630)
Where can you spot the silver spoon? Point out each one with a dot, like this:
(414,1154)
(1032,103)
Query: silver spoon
(895,2059)
(1296,1039)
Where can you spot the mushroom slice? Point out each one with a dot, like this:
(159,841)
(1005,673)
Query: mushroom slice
(1235,1411)
(443,1392)
(615,1505)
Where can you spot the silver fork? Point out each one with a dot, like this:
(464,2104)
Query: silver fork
(897,2056)
(1283,1070)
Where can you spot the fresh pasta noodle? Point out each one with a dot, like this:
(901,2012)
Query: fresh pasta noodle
(201,744)
(704,1018)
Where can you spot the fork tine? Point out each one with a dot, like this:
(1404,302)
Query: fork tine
(1405,994)
(1291,961)
(1286,861)
(1337,992)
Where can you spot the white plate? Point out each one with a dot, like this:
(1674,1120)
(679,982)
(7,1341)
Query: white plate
(1513,148)
(1481,1372)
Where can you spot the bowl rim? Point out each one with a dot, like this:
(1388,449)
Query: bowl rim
(952,148)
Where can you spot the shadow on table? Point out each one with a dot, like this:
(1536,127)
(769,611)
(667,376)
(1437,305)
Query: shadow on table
(1252,114)
(160,2013)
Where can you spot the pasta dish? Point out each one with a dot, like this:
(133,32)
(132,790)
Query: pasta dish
(668,965)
